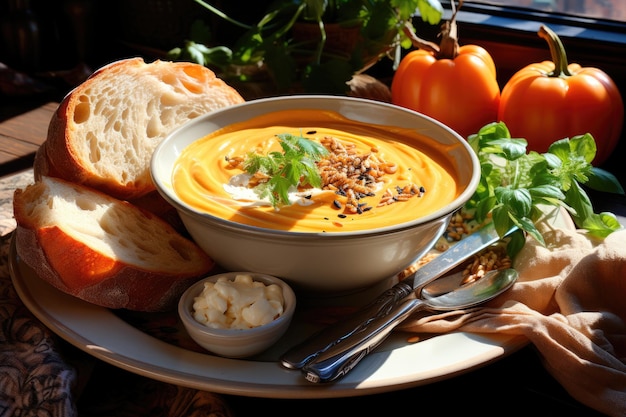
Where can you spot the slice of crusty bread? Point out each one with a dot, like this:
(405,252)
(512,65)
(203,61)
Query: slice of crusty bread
(101,249)
(104,131)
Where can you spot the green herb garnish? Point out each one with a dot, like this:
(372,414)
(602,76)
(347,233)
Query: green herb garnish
(294,167)
(514,183)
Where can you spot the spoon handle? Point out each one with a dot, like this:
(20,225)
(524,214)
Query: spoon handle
(306,351)
(339,359)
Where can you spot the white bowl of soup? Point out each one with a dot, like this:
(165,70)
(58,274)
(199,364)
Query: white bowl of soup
(388,182)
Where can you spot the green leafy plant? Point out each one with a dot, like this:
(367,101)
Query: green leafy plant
(515,183)
(270,44)
(293,167)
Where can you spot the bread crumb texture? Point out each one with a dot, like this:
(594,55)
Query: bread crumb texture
(118,116)
(113,228)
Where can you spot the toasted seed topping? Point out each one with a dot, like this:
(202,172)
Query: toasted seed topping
(351,175)
(356,176)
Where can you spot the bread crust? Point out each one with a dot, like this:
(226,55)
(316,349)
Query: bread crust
(73,265)
(134,105)
(125,288)
(72,148)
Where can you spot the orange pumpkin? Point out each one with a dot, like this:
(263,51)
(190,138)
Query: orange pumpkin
(460,91)
(551,100)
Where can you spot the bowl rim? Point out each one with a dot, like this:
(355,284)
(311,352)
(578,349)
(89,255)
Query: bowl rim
(309,102)
(185,304)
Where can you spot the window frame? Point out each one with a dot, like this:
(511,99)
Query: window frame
(581,27)
(589,42)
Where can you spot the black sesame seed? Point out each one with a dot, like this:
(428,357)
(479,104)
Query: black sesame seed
(336,204)
(342,216)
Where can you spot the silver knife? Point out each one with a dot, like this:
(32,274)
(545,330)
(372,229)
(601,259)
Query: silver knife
(340,359)
(298,356)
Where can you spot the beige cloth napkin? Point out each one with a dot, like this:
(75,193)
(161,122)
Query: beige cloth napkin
(570,302)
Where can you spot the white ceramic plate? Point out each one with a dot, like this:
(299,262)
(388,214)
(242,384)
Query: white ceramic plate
(397,364)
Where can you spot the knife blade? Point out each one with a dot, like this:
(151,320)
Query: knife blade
(298,356)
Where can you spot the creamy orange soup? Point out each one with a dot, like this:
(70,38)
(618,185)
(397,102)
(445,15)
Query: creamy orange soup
(203,169)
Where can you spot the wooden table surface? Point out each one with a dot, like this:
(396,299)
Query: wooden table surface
(23,127)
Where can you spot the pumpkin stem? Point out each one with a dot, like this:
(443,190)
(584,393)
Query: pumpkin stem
(449,45)
(419,42)
(557,51)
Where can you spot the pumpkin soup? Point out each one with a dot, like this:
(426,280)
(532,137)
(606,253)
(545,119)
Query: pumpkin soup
(372,176)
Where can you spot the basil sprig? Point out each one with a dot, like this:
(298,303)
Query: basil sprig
(293,167)
(515,184)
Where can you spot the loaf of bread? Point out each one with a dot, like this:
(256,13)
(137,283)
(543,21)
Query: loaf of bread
(103,250)
(104,131)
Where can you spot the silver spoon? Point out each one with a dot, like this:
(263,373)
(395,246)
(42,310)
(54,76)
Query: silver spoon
(444,285)
(341,358)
